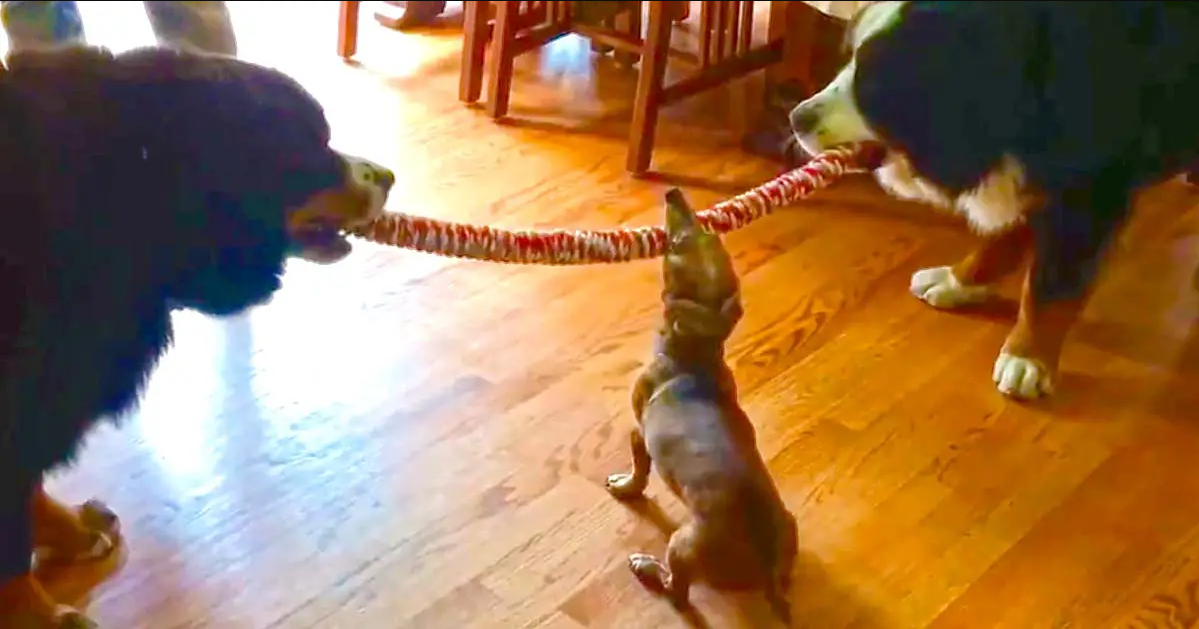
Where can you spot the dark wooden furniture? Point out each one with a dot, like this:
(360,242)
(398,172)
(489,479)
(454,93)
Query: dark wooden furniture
(726,53)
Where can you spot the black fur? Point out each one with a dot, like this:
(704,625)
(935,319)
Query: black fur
(1095,99)
(131,185)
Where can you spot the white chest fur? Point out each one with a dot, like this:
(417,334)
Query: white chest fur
(996,203)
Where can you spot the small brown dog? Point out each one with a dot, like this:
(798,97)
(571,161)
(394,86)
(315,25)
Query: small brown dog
(691,425)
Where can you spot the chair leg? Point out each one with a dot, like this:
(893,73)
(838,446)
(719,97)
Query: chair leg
(1192,177)
(646,102)
(474,49)
(499,80)
(347,29)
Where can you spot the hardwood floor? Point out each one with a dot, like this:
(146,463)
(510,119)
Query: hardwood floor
(403,440)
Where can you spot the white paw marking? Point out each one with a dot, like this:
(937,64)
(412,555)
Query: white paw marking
(939,288)
(648,569)
(366,176)
(622,486)
(1022,378)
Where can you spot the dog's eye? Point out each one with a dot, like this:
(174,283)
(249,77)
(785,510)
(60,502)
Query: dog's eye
(362,174)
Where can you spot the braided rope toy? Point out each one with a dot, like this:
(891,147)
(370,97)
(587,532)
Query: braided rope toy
(572,247)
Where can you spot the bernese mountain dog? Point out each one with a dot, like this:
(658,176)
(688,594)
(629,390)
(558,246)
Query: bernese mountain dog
(132,185)
(1037,121)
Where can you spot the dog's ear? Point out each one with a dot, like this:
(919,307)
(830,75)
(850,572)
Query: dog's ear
(64,82)
(231,127)
(229,151)
(946,84)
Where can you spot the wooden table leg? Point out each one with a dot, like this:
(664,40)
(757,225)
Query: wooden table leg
(474,50)
(347,29)
(649,88)
(500,58)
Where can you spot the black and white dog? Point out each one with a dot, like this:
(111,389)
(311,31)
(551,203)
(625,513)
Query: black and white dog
(1037,121)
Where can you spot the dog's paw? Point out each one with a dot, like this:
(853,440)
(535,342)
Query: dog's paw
(624,486)
(1022,378)
(103,529)
(938,288)
(70,618)
(649,571)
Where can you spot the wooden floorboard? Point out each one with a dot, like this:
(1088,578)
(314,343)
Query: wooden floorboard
(403,440)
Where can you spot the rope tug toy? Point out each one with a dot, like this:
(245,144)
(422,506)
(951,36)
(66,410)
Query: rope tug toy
(571,247)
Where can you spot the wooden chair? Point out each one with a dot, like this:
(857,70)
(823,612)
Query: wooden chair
(511,29)
(347,29)
(490,46)
(398,15)
(725,54)
(414,14)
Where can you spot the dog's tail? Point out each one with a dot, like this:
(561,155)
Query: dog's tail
(774,537)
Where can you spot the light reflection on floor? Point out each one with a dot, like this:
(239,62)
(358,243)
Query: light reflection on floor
(176,415)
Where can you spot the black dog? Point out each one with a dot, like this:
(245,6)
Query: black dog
(133,184)
(1039,121)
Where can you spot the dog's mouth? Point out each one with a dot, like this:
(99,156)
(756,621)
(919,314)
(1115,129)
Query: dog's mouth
(321,243)
(319,230)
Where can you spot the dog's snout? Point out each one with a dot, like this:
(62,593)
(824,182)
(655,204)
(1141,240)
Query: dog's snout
(385,178)
(365,172)
(804,119)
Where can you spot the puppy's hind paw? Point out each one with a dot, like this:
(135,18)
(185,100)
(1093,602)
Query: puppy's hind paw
(652,573)
(939,288)
(1022,378)
(624,486)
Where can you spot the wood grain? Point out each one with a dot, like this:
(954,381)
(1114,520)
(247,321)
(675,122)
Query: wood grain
(403,440)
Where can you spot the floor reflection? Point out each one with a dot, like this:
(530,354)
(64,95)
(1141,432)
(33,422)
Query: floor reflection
(177,415)
(273,391)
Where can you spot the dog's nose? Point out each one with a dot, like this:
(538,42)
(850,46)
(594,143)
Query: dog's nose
(804,119)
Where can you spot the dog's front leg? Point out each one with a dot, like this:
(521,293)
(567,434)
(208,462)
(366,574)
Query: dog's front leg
(969,282)
(68,535)
(1070,237)
(632,484)
(628,485)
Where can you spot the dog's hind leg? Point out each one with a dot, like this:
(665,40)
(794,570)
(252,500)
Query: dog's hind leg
(632,484)
(969,282)
(674,577)
(1071,239)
